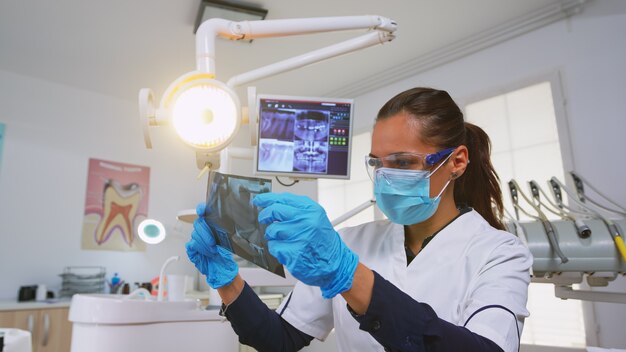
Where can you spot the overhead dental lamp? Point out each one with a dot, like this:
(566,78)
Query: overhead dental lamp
(207,113)
(204,112)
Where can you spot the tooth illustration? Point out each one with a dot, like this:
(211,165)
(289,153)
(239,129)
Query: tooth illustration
(120,204)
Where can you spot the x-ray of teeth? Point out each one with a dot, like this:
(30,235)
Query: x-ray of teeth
(277,124)
(310,156)
(234,219)
(318,144)
(312,125)
(275,155)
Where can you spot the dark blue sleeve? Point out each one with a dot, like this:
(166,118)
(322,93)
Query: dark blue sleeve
(261,327)
(400,323)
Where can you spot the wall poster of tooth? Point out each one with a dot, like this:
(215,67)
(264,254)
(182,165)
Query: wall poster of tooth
(116,202)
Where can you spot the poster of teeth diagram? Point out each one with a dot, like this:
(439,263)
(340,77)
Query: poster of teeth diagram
(116,202)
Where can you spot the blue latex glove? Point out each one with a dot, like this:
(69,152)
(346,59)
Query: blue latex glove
(301,237)
(210,259)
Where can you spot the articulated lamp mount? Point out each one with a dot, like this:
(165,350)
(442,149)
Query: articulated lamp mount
(207,113)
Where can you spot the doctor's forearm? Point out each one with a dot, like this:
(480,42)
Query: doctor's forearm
(230,292)
(359,295)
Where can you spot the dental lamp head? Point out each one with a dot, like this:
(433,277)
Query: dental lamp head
(204,112)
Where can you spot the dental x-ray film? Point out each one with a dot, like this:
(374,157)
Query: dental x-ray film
(234,219)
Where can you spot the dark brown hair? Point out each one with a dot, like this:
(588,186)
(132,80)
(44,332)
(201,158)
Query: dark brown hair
(442,125)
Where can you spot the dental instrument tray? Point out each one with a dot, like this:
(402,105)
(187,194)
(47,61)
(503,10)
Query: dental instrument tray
(82,279)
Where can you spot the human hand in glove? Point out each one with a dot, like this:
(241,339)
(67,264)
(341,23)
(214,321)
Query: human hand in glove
(301,237)
(213,261)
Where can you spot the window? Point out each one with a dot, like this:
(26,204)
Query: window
(525,141)
(522,125)
(339,196)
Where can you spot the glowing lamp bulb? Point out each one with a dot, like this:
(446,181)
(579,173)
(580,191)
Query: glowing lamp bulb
(151,231)
(205,116)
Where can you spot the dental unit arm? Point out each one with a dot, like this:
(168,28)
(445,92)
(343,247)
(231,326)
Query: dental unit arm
(590,258)
(596,259)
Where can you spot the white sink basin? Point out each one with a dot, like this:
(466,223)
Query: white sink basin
(105,323)
(118,309)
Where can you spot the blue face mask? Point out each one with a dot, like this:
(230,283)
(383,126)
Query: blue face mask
(404,195)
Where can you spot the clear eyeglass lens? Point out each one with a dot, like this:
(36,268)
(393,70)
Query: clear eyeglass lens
(395,161)
(371,164)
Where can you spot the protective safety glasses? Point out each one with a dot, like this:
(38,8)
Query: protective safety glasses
(405,161)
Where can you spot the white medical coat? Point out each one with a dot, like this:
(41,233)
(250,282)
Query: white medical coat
(466,266)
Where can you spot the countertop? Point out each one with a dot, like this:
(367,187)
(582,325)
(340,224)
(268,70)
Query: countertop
(271,300)
(10,305)
(15,305)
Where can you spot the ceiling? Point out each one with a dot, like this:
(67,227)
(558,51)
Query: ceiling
(117,47)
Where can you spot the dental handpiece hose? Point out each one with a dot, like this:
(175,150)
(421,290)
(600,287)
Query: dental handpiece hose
(581,228)
(550,233)
(619,240)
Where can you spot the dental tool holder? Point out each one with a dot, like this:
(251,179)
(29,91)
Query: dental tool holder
(82,279)
(596,259)
(593,254)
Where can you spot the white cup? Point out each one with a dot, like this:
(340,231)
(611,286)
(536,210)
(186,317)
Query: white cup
(42,293)
(176,288)
(190,283)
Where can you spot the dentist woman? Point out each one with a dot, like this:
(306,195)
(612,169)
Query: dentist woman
(439,275)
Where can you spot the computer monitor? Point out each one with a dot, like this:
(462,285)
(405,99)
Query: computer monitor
(304,137)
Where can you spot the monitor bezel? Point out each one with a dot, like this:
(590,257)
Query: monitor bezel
(299,175)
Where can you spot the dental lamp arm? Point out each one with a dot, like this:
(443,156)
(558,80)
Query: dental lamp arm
(361,42)
(207,147)
(209,30)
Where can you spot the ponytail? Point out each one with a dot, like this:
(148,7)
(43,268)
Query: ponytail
(479,186)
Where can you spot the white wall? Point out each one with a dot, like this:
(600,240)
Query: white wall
(589,50)
(51,132)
